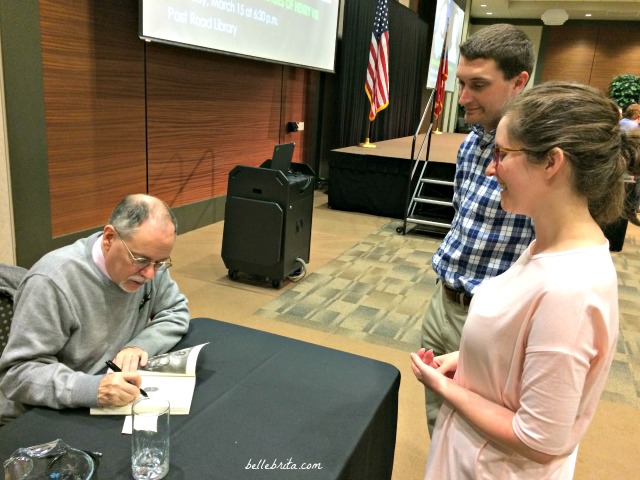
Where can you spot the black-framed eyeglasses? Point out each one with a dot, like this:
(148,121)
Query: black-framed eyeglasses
(144,262)
(500,152)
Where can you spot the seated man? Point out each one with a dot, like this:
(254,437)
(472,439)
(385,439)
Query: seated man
(631,118)
(105,297)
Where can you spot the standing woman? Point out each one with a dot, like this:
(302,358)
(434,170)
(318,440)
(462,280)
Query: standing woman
(539,340)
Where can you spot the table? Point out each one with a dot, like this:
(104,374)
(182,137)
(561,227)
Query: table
(260,400)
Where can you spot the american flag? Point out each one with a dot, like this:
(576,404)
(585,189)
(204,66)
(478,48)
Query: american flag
(443,74)
(377,84)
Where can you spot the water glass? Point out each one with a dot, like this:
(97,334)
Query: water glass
(150,438)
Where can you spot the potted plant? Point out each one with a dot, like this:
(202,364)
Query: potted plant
(625,90)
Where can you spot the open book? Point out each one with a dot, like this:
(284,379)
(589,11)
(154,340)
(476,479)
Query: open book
(170,375)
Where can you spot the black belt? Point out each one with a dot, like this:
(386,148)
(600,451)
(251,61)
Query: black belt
(461,298)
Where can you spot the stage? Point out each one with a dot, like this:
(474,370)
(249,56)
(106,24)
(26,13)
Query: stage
(375,180)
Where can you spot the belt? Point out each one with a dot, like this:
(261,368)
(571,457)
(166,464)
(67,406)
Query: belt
(461,298)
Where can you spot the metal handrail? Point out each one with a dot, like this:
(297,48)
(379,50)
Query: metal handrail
(416,159)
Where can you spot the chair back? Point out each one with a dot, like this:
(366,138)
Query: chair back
(10,278)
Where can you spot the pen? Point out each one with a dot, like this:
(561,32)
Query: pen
(116,368)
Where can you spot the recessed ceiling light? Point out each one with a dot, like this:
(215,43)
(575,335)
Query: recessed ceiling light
(587,14)
(489,13)
(483,5)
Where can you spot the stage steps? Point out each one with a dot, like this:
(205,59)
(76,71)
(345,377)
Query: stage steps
(434,225)
(431,205)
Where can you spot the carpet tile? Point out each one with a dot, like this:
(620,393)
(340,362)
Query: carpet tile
(379,289)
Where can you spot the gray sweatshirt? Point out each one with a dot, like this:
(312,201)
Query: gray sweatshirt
(69,319)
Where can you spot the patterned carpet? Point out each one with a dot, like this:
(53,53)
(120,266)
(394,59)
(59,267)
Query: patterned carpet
(379,289)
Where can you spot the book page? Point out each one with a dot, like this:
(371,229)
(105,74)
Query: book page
(172,376)
(179,362)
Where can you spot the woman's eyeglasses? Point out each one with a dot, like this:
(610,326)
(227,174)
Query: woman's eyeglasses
(500,152)
(144,262)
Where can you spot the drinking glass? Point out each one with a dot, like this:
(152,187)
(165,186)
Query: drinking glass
(150,438)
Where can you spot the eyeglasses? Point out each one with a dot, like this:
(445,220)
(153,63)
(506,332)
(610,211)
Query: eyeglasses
(500,152)
(144,262)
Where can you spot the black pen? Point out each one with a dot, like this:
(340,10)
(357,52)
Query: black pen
(116,368)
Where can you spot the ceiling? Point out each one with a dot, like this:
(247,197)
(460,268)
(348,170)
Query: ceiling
(628,10)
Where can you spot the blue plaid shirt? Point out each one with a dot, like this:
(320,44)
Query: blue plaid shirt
(484,240)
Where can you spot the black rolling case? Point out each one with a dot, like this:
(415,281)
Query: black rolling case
(267,221)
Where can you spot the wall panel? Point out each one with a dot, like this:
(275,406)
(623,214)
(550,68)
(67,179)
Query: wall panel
(93,80)
(617,52)
(569,53)
(591,54)
(294,106)
(207,113)
(123,115)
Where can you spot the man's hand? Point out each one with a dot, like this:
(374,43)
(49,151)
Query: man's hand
(118,389)
(130,358)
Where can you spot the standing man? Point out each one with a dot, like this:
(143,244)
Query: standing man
(495,64)
(105,297)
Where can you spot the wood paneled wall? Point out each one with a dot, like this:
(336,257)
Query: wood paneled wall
(126,116)
(207,113)
(617,52)
(93,80)
(591,54)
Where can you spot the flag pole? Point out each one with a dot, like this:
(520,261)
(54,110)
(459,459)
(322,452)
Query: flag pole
(377,79)
(437,130)
(366,143)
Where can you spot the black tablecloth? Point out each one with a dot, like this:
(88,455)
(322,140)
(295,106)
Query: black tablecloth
(369,184)
(261,400)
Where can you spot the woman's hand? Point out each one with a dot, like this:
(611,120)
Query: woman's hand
(492,420)
(431,370)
